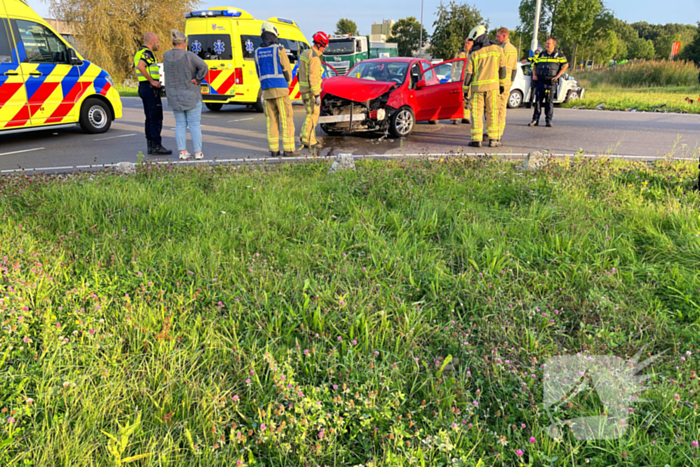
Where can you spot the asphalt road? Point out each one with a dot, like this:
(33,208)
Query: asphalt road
(236,132)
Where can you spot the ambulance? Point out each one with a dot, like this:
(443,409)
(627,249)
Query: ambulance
(44,82)
(226,39)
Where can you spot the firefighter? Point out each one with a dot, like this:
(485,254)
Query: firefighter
(310,71)
(485,79)
(511,71)
(464,53)
(275,74)
(549,67)
(148,75)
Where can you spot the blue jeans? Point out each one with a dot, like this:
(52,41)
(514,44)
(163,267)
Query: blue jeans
(190,118)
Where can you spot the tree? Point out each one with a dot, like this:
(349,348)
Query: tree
(605,47)
(346,26)
(626,34)
(407,33)
(692,50)
(452,27)
(641,49)
(116,29)
(575,22)
(549,11)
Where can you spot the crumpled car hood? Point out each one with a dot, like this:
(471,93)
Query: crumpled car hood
(354,89)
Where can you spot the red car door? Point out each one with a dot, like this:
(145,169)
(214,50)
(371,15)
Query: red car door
(440,95)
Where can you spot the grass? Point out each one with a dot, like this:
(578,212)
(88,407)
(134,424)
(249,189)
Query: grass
(127,92)
(398,315)
(670,99)
(643,86)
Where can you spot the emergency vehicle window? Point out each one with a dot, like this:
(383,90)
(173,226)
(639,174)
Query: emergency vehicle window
(291,47)
(210,46)
(40,44)
(249,44)
(5,47)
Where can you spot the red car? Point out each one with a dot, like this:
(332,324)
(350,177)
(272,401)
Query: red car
(392,94)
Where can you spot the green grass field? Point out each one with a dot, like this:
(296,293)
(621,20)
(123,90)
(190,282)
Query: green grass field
(671,99)
(127,92)
(399,315)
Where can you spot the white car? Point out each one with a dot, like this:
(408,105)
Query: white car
(568,90)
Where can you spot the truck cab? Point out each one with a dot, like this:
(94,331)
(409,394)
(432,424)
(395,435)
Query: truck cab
(344,52)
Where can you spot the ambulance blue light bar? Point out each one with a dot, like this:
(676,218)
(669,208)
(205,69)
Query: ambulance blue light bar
(288,21)
(212,13)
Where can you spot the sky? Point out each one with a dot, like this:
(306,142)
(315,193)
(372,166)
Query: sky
(314,15)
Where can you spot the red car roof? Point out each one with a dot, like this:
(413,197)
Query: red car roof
(392,59)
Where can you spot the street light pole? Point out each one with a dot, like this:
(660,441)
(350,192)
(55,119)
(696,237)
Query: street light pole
(536,30)
(420,44)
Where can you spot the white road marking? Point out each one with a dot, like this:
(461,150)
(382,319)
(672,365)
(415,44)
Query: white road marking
(53,168)
(19,152)
(241,120)
(114,137)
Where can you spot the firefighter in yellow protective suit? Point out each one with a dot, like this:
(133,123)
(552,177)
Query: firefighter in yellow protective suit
(485,79)
(275,74)
(511,70)
(464,53)
(310,72)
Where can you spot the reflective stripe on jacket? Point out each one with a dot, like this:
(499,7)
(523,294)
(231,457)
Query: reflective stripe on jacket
(484,66)
(152,69)
(549,65)
(310,71)
(270,71)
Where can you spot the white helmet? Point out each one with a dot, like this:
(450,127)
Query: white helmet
(269,27)
(476,32)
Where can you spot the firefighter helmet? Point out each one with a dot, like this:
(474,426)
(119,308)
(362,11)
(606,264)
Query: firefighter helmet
(321,38)
(269,27)
(476,32)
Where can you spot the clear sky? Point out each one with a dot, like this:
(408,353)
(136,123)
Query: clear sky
(312,15)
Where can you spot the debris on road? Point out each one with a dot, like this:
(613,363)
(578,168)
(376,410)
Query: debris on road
(536,160)
(343,162)
(126,168)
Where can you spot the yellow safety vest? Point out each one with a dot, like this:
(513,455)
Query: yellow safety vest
(151,65)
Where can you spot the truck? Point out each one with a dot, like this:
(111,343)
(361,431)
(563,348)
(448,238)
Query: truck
(345,51)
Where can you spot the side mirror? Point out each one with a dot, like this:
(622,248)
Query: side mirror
(73,58)
(420,84)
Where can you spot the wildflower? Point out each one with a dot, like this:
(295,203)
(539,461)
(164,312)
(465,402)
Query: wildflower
(306,352)
(66,384)
(321,433)
(26,340)
(694,444)
(263,427)
(29,401)
(236,398)
(502,440)
(11,420)
(454,426)
(340,339)
(247,381)
(519,453)
(532,440)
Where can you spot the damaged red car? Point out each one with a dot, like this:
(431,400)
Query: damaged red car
(391,95)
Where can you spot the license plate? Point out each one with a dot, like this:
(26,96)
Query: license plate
(358,117)
(205,89)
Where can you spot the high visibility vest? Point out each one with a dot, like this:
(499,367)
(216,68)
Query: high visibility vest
(270,72)
(151,65)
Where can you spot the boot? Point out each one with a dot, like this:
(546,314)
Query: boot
(289,154)
(494,143)
(534,123)
(159,150)
(475,144)
(549,124)
(274,153)
(150,146)
(466,121)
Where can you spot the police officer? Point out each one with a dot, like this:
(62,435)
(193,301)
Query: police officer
(150,93)
(310,72)
(464,53)
(275,74)
(511,70)
(485,79)
(549,67)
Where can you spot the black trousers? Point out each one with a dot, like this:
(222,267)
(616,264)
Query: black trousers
(544,94)
(153,108)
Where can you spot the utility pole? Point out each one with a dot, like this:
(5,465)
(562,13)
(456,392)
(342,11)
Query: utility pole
(536,31)
(420,43)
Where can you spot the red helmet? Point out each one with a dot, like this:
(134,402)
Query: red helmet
(321,38)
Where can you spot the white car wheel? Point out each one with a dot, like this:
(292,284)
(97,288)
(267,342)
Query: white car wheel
(515,99)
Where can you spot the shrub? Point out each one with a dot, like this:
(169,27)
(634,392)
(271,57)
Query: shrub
(644,74)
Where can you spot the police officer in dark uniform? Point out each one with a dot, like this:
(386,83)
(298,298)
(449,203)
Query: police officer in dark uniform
(548,68)
(150,93)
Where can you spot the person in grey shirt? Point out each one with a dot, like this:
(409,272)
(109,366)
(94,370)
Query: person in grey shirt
(184,72)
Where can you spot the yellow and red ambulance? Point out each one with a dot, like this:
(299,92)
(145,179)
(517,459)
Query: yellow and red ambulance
(44,82)
(226,39)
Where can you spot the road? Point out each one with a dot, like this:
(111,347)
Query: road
(236,132)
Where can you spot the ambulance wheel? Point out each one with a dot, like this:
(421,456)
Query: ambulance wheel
(402,122)
(95,116)
(214,107)
(259,106)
